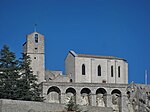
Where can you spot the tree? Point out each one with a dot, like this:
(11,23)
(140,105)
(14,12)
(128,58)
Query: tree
(72,106)
(17,81)
(29,89)
(9,74)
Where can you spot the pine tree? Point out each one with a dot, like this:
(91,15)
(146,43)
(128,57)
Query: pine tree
(9,74)
(29,89)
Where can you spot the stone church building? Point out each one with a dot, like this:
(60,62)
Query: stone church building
(100,81)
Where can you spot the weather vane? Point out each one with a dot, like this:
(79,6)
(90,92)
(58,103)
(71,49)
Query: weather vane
(35,26)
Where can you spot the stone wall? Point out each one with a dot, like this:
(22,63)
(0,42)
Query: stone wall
(35,49)
(70,66)
(58,92)
(29,106)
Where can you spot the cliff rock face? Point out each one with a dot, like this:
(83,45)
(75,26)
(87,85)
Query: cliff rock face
(138,99)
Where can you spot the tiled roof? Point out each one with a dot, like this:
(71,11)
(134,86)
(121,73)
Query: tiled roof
(100,57)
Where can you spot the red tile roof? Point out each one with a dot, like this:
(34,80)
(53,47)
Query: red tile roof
(100,57)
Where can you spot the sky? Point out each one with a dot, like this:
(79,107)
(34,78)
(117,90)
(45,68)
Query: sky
(118,28)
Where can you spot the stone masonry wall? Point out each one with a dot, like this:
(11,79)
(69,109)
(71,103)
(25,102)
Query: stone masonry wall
(30,106)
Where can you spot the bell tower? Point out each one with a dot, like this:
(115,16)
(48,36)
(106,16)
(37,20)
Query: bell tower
(34,47)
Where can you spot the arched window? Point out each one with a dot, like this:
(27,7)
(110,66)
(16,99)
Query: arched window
(101,94)
(70,80)
(116,98)
(36,38)
(99,70)
(112,72)
(86,96)
(54,95)
(83,69)
(118,71)
(71,95)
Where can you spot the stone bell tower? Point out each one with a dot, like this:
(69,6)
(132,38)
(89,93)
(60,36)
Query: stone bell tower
(34,47)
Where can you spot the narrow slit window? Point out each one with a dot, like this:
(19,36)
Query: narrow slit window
(83,69)
(99,70)
(112,72)
(118,71)
(36,38)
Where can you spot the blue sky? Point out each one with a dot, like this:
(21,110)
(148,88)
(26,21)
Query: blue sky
(102,27)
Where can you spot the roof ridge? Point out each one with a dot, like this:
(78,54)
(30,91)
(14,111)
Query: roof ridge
(99,56)
(94,55)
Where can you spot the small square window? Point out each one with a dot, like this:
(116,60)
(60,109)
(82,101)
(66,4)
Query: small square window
(103,81)
(34,57)
(36,48)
